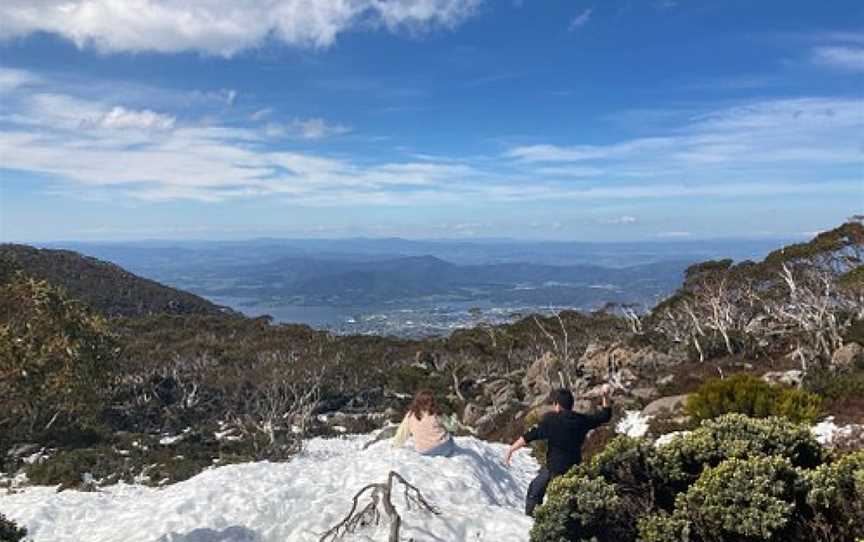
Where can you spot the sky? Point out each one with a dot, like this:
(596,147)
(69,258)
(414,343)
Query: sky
(599,120)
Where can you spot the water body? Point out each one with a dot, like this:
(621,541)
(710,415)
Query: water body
(408,320)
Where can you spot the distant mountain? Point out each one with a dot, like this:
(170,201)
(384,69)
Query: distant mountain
(104,286)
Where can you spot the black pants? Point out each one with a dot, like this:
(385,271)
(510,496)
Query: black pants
(537,490)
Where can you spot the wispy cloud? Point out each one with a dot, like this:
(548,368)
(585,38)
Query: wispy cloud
(88,147)
(849,58)
(220,27)
(580,20)
(823,131)
(313,128)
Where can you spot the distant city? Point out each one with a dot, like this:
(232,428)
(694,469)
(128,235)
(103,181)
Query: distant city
(413,288)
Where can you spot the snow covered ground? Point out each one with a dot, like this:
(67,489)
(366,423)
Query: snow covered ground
(479,499)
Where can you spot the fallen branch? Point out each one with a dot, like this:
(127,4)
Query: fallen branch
(371,515)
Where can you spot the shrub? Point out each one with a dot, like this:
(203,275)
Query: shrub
(747,394)
(55,357)
(578,508)
(836,497)
(679,463)
(9,531)
(733,479)
(743,499)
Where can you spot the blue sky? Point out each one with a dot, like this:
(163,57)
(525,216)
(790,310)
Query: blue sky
(554,119)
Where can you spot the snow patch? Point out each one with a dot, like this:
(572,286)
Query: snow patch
(634,424)
(479,499)
(827,431)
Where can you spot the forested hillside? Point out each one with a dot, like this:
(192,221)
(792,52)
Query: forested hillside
(103,286)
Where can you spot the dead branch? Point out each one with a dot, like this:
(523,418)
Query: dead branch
(370,514)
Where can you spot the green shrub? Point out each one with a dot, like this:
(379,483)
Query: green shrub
(9,531)
(836,497)
(749,395)
(578,508)
(836,385)
(733,479)
(743,499)
(663,527)
(66,468)
(679,463)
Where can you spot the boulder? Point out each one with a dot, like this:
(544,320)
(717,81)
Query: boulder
(599,360)
(497,420)
(645,393)
(786,378)
(672,404)
(541,377)
(471,414)
(848,355)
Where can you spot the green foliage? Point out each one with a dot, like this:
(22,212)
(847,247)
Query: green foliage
(749,395)
(835,385)
(836,497)
(733,479)
(55,358)
(743,499)
(9,531)
(578,508)
(103,286)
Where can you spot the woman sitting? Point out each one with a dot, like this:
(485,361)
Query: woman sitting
(424,422)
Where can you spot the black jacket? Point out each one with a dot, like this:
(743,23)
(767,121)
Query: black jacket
(565,433)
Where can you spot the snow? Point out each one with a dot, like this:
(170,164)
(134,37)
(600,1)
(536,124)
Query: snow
(826,431)
(633,424)
(480,499)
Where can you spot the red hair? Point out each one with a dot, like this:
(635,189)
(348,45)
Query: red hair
(424,402)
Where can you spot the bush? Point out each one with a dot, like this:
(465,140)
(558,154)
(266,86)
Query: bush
(55,359)
(747,394)
(9,531)
(578,508)
(743,499)
(836,497)
(733,479)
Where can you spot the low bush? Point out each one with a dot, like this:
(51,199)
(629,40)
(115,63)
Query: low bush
(733,479)
(747,394)
(742,499)
(9,531)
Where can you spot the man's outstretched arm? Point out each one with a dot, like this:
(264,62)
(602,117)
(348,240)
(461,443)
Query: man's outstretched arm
(515,447)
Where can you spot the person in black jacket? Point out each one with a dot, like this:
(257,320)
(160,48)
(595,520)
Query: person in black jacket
(564,432)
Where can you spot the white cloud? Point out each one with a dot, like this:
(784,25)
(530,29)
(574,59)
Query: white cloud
(842,57)
(823,131)
(116,149)
(619,220)
(314,128)
(120,118)
(220,27)
(580,20)
(318,128)
(12,79)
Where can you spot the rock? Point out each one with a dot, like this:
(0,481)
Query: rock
(787,378)
(598,360)
(471,414)
(645,393)
(497,420)
(671,404)
(541,377)
(848,355)
(666,380)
